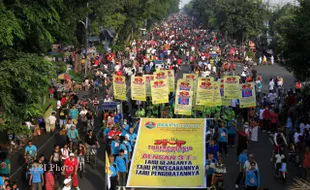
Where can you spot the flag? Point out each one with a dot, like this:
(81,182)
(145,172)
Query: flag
(107,170)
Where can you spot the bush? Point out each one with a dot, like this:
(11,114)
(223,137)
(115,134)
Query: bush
(60,67)
(76,76)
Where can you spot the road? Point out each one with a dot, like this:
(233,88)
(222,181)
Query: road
(94,178)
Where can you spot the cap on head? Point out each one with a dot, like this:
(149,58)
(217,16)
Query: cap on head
(66,181)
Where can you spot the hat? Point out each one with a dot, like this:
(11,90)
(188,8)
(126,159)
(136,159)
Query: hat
(246,123)
(127,136)
(67,181)
(251,156)
(71,154)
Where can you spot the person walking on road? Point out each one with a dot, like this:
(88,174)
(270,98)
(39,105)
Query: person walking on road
(252,177)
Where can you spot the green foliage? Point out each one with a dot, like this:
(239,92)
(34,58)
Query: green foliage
(76,76)
(250,54)
(292,38)
(24,78)
(240,19)
(60,67)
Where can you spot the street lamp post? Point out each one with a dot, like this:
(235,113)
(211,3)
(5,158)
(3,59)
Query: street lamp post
(86,43)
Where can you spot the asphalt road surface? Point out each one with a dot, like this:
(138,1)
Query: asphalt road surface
(94,178)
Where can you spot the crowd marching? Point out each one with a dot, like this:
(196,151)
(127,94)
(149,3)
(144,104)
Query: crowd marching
(178,41)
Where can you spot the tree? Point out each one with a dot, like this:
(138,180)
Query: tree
(237,18)
(24,79)
(293,39)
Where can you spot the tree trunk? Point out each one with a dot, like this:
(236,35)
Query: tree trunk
(77,63)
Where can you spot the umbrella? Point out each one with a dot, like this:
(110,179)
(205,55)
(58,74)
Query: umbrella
(64,76)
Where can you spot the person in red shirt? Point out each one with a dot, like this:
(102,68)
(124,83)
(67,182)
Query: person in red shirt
(63,100)
(274,121)
(114,132)
(71,168)
(51,90)
(266,120)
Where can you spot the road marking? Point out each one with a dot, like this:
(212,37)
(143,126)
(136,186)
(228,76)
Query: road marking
(37,151)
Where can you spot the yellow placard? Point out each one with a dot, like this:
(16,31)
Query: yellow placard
(138,88)
(217,99)
(225,101)
(204,95)
(184,84)
(248,96)
(148,79)
(169,153)
(190,76)
(119,87)
(171,80)
(231,87)
(183,102)
(161,74)
(160,91)
(207,79)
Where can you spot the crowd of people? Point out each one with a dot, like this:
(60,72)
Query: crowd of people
(175,42)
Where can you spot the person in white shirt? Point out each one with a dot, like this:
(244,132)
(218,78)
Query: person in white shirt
(83,114)
(297,134)
(51,122)
(271,85)
(206,73)
(67,184)
(58,104)
(302,127)
(272,96)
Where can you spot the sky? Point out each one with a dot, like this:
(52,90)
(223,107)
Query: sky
(184,2)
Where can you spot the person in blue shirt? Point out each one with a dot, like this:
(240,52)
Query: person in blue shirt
(74,114)
(73,136)
(232,131)
(105,134)
(125,129)
(132,137)
(243,157)
(30,152)
(122,166)
(222,139)
(210,162)
(252,178)
(126,147)
(114,173)
(36,179)
(213,149)
(136,126)
(115,146)
(283,167)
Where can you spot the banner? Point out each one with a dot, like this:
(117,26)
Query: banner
(169,153)
(148,79)
(184,84)
(190,76)
(225,101)
(217,98)
(183,103)
(138,88)
(231,87)
(204,95)
(161,74)
(160,91)
(171,80)
(207,79)
(119,87)
(248,97)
